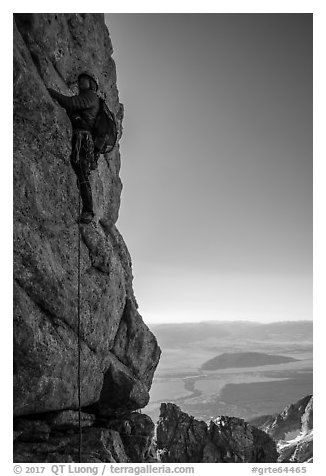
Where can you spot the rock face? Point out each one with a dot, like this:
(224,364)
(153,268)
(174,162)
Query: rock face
(292,429)
(55,438)
(183,439)
(290,419)
(300,448)
(119,354)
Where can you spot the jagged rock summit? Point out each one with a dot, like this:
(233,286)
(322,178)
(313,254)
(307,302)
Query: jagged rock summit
(183,439)
(292,429)
(119,354)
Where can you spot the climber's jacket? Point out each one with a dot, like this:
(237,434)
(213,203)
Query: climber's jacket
(82,109)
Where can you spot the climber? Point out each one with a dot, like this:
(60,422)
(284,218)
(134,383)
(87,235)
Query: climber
(82,110)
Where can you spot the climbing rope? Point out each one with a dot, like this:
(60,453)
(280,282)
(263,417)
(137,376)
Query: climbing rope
(79,347)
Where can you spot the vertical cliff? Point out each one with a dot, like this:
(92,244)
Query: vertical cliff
(119,354)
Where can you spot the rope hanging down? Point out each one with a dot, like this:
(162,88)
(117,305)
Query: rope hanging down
(79,347)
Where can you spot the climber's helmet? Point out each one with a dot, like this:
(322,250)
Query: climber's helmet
(92,82)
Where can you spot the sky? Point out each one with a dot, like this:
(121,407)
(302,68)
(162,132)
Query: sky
(216,156)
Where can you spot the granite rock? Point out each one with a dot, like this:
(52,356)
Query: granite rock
(183,439)
(116,345)
(292,430)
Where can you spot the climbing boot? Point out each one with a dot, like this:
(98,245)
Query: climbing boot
(86,217)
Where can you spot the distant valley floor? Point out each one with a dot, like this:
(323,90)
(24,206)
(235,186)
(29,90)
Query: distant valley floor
(242,392)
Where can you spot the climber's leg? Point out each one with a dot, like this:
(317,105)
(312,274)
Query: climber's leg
(87,199)
(85,193)
(82,154)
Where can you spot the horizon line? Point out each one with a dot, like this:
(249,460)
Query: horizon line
(231,322)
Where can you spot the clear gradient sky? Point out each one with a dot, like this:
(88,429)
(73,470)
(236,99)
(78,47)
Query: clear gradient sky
(217,163)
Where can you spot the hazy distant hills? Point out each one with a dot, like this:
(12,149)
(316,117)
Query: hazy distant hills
(244,359)
(184,334)
(271,365)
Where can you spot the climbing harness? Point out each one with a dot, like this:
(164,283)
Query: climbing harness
(79,348)
(83,150)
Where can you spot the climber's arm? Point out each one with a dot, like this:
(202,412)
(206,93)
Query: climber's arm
(71,103)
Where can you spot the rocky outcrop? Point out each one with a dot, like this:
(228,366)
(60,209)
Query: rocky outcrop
(307,417)
(137,433)
(119,354)
(298,450)
(55,438)
(290,419)
(292,429)
(183,439)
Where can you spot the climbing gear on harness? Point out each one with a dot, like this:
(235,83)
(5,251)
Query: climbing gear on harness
(105,132)
(83,150)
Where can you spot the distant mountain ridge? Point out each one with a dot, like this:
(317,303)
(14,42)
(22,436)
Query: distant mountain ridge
(244,359)
(171,335)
